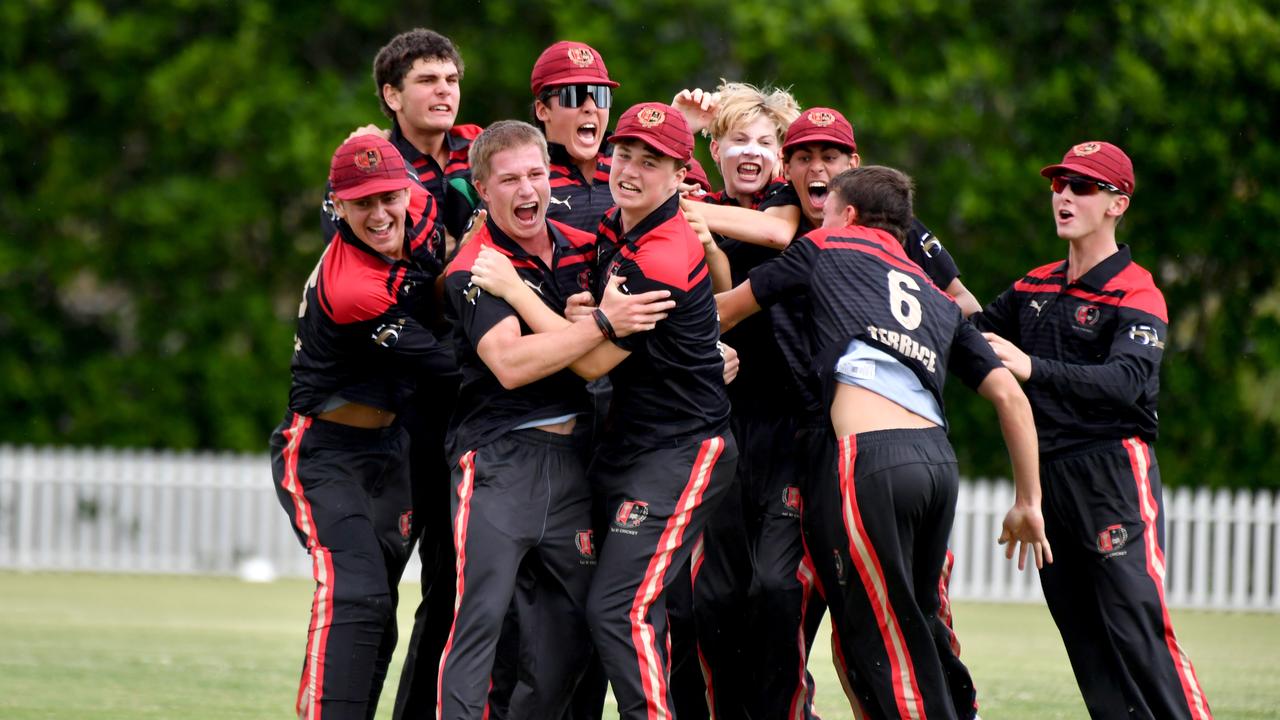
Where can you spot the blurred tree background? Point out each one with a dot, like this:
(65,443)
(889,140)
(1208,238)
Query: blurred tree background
(161,165)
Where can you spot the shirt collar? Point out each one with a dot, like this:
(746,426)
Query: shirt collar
(560,154)
(660,215)
(411,152)
(513,249)
(1099,275)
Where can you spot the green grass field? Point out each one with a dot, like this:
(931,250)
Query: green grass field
(114,646)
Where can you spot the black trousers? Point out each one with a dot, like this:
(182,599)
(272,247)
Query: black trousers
(659,500)
(1104,517)
(522,495)
(427,419)
(346,492)
(877,523)
(750,596)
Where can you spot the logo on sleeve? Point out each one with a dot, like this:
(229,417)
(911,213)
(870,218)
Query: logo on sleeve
(470,292)
(930,245)
(631,513)
(388,334)
(1146,335)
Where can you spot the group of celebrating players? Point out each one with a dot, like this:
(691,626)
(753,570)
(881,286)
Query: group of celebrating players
(510,352)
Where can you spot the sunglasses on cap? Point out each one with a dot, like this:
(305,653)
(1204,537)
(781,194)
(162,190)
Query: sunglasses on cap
(1081,185)
(572,96)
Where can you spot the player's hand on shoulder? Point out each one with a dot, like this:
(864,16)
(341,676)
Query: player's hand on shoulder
(383,133)
(698,223)
(493,272)
(698,107)
(1023,530)
(629,314)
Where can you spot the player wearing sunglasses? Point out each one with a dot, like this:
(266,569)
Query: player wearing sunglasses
(572,95)
(1086,336)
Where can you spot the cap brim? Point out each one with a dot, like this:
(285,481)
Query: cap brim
(822,137)
(652,142)
(372,187)
(1066,167)
(576,80)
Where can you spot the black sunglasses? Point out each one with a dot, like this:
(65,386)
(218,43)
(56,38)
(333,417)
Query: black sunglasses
(1081,185)
(572,96)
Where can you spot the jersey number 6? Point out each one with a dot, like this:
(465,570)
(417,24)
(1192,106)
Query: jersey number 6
(904,306)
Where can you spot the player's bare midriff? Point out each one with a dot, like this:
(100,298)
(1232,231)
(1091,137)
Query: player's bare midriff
(359,415)
(858,410)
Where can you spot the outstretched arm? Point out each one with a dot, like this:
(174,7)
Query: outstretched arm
(736,305)
(758,227)
(1023,525)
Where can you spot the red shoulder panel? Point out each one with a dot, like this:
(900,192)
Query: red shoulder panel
(354,284)
(670,253)
(467,132)
(1140,291)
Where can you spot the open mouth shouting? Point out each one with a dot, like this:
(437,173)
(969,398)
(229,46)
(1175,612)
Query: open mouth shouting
(527,213)
(817,194)
(587,133)
(380,233)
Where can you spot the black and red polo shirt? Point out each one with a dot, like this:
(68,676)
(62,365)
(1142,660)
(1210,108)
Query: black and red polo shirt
(764,382)
(485,409)
(357,337)
(862,286)
(671,388)
(574,201)
(1095,347)
(449,185)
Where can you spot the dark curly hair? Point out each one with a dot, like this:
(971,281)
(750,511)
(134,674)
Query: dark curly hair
(397,57)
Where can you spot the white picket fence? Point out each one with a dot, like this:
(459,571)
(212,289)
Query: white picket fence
(166,512)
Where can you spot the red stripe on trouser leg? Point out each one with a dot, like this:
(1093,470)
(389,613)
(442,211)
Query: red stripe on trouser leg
(465,490)
(944,601)
(695,565)
(652,677)
(1140,462)
(805,575)
(311,684)
(906,689)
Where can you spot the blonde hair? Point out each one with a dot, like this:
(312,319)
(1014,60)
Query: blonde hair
(503,135)
(742,104)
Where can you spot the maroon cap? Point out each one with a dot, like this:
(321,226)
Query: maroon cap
(366,165)
(697,175)
(1098,160)
(569,63)
(658,125)
(820,124)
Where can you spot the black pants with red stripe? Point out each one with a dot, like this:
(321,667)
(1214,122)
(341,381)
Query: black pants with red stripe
(878,522)
(749,598)
(659,501)
(523,495)
(1104,517)
(346,491)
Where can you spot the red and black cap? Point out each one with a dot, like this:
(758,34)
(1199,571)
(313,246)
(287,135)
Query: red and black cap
(366,165)
(1097,160)
(821,124)
(569,63)
(659,126)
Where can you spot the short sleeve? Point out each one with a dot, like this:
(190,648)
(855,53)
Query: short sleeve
(786,274)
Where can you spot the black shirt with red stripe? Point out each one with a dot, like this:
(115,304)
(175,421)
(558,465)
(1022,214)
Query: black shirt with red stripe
(671,388)
(485,409)
(1095,346)
(862,286)
(357,336)
(574,201)
(764,385)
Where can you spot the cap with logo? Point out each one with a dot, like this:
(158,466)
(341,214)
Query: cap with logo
(658,125)
(569,63)
(367,165)
(821,124)
(1098,160)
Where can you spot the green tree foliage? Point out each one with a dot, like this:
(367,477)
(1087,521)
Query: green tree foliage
(161,166)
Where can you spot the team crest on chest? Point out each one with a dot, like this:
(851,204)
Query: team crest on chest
(1088,315)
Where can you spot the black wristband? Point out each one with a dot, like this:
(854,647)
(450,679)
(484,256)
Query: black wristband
(602,322)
